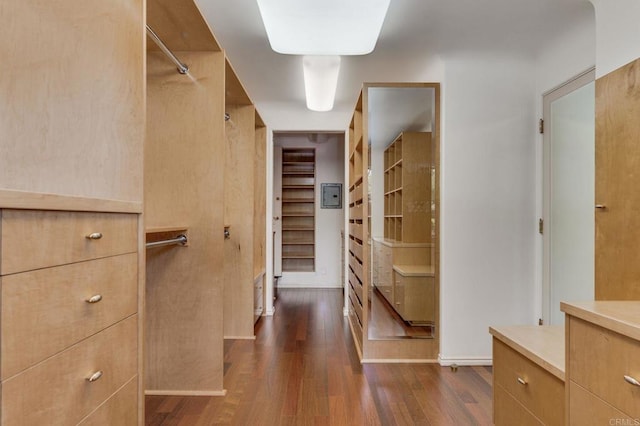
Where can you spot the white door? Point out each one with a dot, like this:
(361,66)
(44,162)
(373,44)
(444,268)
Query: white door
(569,192)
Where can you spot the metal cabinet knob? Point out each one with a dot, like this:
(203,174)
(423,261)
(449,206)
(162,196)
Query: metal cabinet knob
(94,236)
(522,381)
(631,380)
(95,376)
(601,207)
(94,299)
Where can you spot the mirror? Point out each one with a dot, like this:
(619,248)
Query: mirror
(403,296)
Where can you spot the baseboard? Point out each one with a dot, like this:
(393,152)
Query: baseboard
(398,361)
(309,286)
(345,311)
(222,392)
(464,361)
(269,312)
(239,337)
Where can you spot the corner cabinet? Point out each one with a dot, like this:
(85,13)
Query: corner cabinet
(298,209)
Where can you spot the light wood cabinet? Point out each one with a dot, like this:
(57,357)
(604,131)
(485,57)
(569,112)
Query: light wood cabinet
(298,209)
(603,358)
(407,188)
(528,375)
(75,311)
(617,160)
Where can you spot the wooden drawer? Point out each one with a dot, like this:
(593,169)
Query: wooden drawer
(50,307)
(509,412)
(598,361)
(415,298)
(121,409)
(33,239)
(542,393)
(587,409)
(57,391)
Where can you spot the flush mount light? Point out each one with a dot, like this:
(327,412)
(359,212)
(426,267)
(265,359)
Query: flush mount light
(320,81)
(323,27)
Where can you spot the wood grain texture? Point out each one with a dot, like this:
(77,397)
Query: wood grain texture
(120,409)
(587,409)
(303,369)
(260,198)
(38,201)
(598,361)
(542,394)
(509,412)
(184,187)
(543,345)
(70,123)
(617,240)
(239,174)
(74,397)
(33,239)
(50,307)
(180,25)
(623,317)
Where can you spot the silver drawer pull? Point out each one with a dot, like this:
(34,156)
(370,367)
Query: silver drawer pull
(601,207)
(94,236)
(94,299)
(631,380)
(522,381)
(95,376)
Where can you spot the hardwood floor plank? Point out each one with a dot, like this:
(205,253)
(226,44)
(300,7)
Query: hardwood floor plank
(302,369)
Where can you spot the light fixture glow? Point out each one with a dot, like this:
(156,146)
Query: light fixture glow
(324,27)
(320,81)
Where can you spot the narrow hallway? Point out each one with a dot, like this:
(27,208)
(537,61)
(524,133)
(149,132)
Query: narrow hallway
(303,369)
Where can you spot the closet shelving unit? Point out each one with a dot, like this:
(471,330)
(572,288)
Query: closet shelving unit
(298,209)
(358,208)
(406,191)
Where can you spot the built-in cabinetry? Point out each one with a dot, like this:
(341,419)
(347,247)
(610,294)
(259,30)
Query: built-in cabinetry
(298,209)
(603,362)
(71,246)
(528,375)
(358,249)
(63,312)
(407,188)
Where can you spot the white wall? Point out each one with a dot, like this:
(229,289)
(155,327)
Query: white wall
(329,222)
(487,200)
(618,34)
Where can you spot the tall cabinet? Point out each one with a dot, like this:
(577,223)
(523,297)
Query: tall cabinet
(298,209)
(71,246)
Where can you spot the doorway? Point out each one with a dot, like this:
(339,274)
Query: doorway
(568,195)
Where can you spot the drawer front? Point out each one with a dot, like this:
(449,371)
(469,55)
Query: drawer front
(28,399)
(541,393)
(587,409)
(509,412)
(52,307)
(121,409)
(419,299)
(33,239)
(599,359)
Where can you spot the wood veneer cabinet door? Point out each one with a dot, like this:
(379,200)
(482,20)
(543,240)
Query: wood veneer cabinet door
(617,245)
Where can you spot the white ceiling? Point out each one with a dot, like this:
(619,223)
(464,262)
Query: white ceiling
(413,31)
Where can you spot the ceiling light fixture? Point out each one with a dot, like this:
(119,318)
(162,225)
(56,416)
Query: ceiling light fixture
(320,81)
(327,27)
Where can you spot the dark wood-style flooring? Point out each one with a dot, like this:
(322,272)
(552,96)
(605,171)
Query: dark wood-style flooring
(302,369)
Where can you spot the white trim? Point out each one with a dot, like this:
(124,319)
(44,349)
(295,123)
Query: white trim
(345,311)
(239,337)
(398,361)
(269,312)
(465,361)
(222,392)
(308,286)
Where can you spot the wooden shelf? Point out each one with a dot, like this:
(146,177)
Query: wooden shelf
(298,221)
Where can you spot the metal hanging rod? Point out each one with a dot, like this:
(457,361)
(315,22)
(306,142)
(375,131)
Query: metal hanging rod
(182,68)
(180,239)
